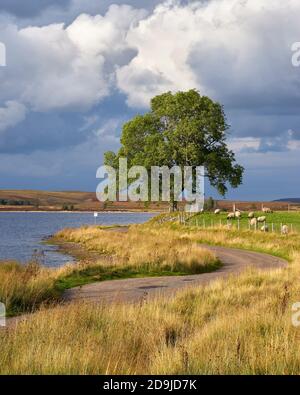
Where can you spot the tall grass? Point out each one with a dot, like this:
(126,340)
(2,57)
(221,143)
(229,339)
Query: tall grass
(238,326)
(241,325)
(24,287)
(144,248)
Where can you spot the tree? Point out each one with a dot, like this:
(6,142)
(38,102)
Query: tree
(182,129)
(209,204)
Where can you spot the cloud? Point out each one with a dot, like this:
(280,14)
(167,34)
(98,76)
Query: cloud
(71,166)
(234,51)
(11,114)
(62,67)
(72,67)
(47,12)
(29,7)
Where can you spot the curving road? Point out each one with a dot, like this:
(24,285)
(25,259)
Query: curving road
(138,289)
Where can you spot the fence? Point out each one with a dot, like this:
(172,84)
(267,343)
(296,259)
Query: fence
(203,222)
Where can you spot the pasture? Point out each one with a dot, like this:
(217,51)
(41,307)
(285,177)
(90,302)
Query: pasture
(274,220)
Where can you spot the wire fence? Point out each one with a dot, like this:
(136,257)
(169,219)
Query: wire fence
(242,224)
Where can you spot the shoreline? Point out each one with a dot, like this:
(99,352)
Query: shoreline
(82,212)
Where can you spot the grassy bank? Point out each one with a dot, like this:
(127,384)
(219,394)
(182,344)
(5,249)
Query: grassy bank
(107,255)
(142,251)
(238,326)
(241,325)
(274,220)
(284,246)
(23,288)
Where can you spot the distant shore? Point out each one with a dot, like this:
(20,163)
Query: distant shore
(84,211)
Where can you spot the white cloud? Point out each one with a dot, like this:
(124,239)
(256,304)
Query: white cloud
(58,67)
(11,114)
(235,51)
(238,52)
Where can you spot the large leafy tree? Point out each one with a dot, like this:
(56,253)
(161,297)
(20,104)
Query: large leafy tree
(183,129)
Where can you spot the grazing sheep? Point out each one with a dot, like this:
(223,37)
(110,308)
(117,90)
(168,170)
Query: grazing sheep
(237,214)
(231,216)
(265,228)
(218,211)
(261,219)
(251,214)
(284,229)
(253,222)
(267,210)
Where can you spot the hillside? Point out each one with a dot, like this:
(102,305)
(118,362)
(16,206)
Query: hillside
(27,200)
(288,200)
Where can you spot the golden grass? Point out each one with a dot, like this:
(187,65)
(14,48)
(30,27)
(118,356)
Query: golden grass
(147,247)
(241,325)
(25,287)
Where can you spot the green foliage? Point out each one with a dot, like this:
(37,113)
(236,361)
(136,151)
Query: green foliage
(183,129)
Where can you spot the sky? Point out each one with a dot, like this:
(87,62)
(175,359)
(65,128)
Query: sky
(76,70)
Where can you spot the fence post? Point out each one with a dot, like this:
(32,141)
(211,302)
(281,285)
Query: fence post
(238,224)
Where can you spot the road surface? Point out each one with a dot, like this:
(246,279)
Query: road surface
(137,289)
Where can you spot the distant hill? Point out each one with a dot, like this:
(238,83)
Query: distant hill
(288,200)
(27,200)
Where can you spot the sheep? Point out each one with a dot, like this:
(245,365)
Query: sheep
(265,228)
(217,211)
(261,219)
(267,210)
(231,216)
(237,214)
(251,214)
(253,222)
(284,229)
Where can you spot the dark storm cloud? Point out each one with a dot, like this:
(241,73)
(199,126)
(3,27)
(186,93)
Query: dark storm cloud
(29,8)
(64,10)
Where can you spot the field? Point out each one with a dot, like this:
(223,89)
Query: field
(108,255)
(241,325)
(274,220)
(23,200)
(27,200)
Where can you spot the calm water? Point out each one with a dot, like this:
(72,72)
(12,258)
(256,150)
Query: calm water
(21,233)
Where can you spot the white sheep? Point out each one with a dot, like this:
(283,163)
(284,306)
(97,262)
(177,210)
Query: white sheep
(253,222)
(231,216)
(267,210)
(217,211)
(237,214)
(284,229)
(261,219)
(251,214)
(265,228)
